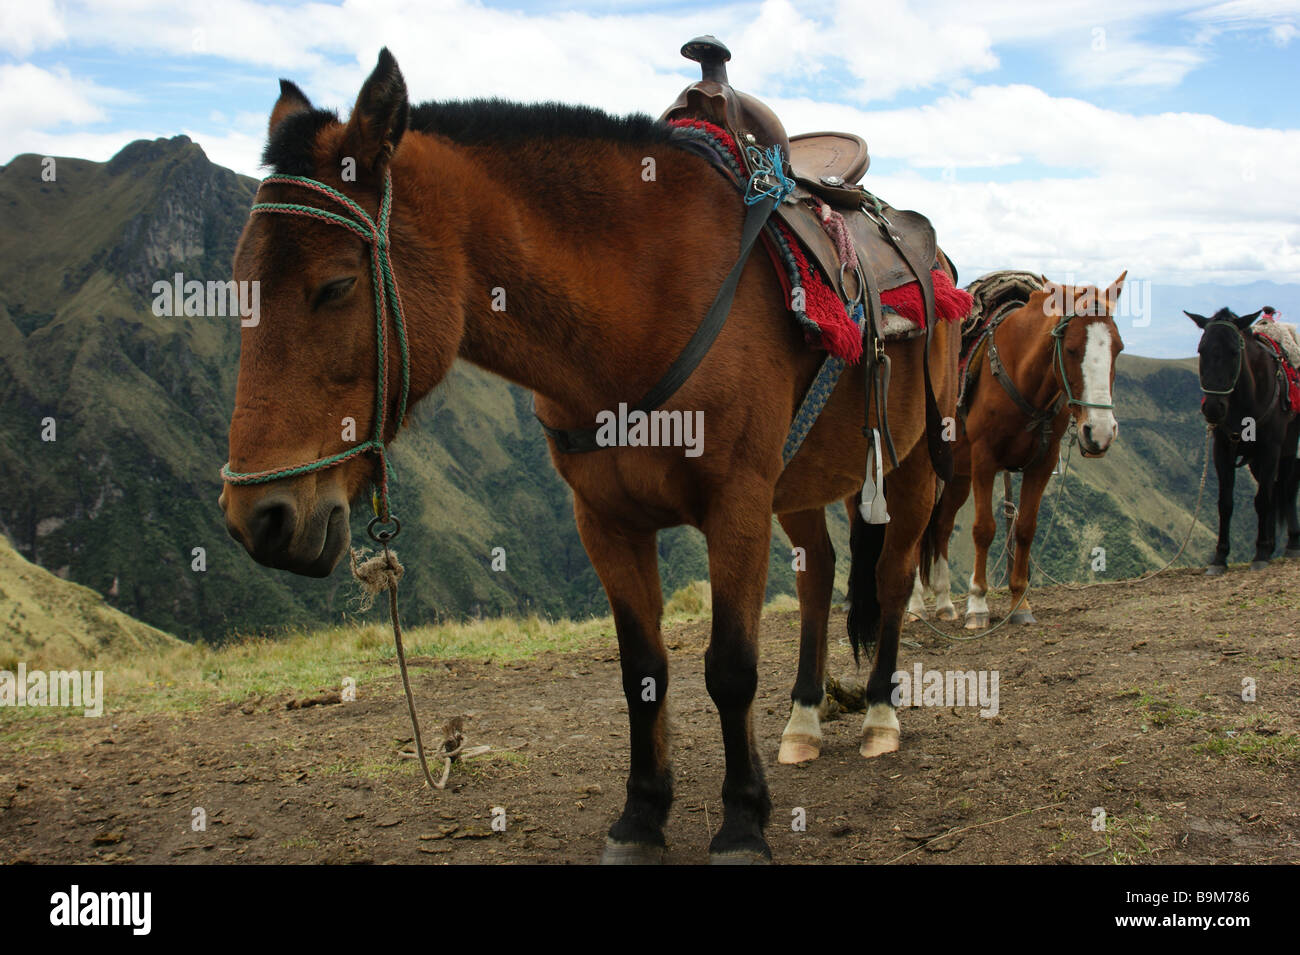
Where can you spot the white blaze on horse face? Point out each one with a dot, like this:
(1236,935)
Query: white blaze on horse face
(1096,386)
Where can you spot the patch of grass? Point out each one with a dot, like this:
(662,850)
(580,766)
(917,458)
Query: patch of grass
(1127,838)
(1266,749)
(300,842)
(1158,710)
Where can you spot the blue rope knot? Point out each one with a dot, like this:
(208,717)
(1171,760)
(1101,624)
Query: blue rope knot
(768,179)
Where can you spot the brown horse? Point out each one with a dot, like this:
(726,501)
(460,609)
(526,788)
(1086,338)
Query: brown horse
(1044,354)
(526,240)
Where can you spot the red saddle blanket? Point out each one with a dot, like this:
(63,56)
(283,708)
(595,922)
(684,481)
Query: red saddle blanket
(1292,397)
(824,319)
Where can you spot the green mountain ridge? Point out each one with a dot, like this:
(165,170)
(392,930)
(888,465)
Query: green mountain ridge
(141,405)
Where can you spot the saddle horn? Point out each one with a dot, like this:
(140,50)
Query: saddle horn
(712,55)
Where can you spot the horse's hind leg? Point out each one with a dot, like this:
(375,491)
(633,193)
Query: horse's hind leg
(1290,483)
(953,497)
(898,557)
(627,564)
(982,532)
(739,533)
(802,738)
(1264,466)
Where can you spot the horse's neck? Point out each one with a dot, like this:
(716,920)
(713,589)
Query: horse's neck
(561,262)
(1254,386)
(1030,359)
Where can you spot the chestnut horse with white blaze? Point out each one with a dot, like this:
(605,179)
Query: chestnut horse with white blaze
(1043,355)
(605,277)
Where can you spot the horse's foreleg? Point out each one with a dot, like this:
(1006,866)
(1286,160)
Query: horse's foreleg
(983,530)
(738,538)
(910,508)
(627,564)
(1227,475)
(1032,485)
(802,737)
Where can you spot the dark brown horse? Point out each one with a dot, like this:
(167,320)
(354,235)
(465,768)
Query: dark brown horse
(526,240)
(1047,355)
(1244,391)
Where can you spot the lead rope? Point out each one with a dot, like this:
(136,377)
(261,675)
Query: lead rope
(382,572)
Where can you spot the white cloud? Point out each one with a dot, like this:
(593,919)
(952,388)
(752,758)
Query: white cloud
(28,25)
(34,98)
(1166,196)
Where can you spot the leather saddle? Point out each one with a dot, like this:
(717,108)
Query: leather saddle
(892,243)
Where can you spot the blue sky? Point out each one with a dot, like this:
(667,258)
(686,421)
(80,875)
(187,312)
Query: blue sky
(1077,139)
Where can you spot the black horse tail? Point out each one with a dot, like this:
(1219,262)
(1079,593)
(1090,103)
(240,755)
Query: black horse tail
(930,540)
(866,541)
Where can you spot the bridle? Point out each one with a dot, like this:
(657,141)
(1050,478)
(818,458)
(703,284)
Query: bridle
(1058,348)
(375,234)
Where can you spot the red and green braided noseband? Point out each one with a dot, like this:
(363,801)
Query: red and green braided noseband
(384,283)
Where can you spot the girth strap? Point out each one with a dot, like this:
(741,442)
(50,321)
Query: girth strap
(582,440)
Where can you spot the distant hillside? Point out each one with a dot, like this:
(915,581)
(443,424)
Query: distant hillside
(142,405)
(51,621)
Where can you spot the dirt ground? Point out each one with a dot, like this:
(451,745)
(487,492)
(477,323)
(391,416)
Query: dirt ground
(1126,699)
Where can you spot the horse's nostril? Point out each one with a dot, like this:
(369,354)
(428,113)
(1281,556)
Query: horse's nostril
(271,525)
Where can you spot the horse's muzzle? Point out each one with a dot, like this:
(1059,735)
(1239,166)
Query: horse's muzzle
(277,534)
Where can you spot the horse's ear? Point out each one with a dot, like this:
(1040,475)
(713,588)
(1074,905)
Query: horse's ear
(379,118)
(292,100)
(1113,291)
(1245,321)
(1200,320)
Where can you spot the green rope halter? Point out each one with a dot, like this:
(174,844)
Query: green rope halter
(1058,346)
(384,283)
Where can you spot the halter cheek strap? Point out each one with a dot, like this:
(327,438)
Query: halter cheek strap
(1058,346)
(384,283)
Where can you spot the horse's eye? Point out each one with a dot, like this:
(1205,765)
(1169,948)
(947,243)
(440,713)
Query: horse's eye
(334,290)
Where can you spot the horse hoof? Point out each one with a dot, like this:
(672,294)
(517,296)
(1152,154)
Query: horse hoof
(1215,570)
(918,614)
(877,741)
(1259,565)
(740,857)
(798,748)
(1292,552)
(1023,616)
(977,621)
(947,613)
(631,853)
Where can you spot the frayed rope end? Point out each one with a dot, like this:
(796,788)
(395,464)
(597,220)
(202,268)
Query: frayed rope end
(375,575)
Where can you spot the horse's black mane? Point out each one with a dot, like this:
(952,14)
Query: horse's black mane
(477,121)
(290,150)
